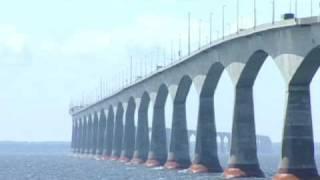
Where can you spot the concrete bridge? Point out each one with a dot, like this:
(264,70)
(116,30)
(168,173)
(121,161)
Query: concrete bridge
(106,128)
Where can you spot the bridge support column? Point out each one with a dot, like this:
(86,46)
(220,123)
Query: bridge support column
(243,160)
(158,147)
(76,140)
(128,134)
(118,134)
(108,135)
(297,145)
(206,155)
(73,136)
(83,135)
(89,136)
(101,132)
(78,136)
(94,138)
(81,132)
(142,136)
(179,156)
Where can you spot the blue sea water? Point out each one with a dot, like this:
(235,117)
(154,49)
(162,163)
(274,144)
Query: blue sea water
(53,161)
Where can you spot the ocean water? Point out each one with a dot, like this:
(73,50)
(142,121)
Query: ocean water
(46,161)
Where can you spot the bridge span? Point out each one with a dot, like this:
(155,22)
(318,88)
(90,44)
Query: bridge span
(106,128)
(264,143)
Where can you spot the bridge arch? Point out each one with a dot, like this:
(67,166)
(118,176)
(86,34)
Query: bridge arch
(183,89)
(224,97)
(268,88)
(307,69)
(252,68)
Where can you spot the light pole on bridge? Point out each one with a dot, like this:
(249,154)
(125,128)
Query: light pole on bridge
(273,11)
(223,7)
(171,44)
(189,24)
(238,16)
(211,14)
(255,13)
(179,45)
(200,21)
(131,73)
(296,8)
(311,10)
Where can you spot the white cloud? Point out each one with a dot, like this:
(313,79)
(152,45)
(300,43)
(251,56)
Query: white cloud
(11,38)
(13,45)
(139,38)
(86,42)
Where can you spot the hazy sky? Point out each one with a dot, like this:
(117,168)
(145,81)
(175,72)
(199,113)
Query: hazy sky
(52,52)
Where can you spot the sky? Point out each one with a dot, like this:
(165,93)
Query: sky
(56,52)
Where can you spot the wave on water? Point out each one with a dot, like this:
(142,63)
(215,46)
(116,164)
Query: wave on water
(53,161)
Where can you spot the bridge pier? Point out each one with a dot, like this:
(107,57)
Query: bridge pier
(83,135)
(128,141)
(142,135)
(108,135)
(88,135)
(243,160)
(76,137)
(101,132)
(206,152)
(297,145)
(206,155)
(178,156)
(94,137)
(118,133)
(158,154)
(297,161)
(73,135)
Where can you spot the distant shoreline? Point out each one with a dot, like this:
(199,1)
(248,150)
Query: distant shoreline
(35,142)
